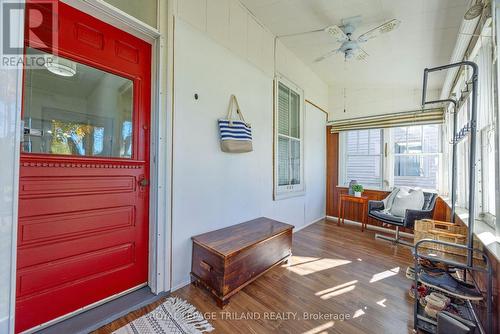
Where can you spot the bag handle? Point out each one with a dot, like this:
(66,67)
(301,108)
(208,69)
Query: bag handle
(232,102)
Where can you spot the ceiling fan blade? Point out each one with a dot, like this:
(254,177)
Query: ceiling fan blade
(361,54)
(337,33)
(323,57)
(381,29)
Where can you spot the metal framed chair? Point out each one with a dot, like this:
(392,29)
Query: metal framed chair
(376,211)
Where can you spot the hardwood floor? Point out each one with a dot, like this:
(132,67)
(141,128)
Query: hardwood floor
(335,273)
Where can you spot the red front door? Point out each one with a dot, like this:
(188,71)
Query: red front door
(83,197)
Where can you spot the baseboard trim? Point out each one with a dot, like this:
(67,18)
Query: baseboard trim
(295,230)
(181,285)
(372,227)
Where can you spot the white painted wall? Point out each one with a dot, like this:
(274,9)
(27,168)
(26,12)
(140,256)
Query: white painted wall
(315,163)
(231,25)
(213,189)
(294,69)
(144,10)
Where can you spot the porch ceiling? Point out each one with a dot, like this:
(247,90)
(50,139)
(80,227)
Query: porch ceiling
(425,38)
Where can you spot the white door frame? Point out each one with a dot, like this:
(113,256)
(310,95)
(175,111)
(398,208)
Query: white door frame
(159,279)
(11,107)
(160,153)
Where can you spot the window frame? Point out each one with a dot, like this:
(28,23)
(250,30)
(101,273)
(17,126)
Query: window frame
(388,155)
(484,170)
(287,191)
(438,154)
(496,122)
(343,181)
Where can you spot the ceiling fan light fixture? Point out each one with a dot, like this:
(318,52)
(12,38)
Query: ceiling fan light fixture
(474,11)
(60,66)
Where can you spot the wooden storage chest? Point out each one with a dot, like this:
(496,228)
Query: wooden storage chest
(226,260)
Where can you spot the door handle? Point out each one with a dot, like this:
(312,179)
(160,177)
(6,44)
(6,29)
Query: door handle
(144,182)
(205,266)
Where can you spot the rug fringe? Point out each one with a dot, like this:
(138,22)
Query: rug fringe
(191,317)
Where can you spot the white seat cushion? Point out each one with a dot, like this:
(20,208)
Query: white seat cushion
(407,200)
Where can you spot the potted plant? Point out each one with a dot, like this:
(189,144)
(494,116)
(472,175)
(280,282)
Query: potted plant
(358,189)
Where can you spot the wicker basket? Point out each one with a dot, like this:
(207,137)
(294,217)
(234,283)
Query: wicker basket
(425,225)
(444,231)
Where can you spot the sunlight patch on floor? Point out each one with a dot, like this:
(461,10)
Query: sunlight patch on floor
(384,274)
(358,313)
(309,265)
(295,260)
(337,287)
(337,290)
(320,329)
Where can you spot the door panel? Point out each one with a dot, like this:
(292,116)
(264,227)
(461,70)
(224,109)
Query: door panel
(83,210)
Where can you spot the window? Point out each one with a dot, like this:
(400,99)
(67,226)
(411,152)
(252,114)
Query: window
(486,168)
(288,140)
(416,156)
(363,157)
(412,157)
(486,130)
(86,114)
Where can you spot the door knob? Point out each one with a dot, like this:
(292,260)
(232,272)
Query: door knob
(144,182)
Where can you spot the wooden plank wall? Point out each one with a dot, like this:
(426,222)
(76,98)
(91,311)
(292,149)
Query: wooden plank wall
(441,212)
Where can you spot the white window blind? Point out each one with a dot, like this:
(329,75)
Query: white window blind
(288,159)
(407,118)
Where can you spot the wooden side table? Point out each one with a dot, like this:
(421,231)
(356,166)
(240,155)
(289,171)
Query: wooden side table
(363,200)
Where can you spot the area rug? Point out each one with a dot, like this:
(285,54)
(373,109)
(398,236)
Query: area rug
(174,316)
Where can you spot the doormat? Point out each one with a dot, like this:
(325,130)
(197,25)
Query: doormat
(174,316)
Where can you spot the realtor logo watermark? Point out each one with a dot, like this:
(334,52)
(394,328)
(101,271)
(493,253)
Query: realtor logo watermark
(40,30)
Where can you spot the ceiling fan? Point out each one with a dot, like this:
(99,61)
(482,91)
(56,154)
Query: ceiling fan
(351,47)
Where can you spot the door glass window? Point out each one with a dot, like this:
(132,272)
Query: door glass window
(74,109)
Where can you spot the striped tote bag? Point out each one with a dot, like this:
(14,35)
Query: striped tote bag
(235,133)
